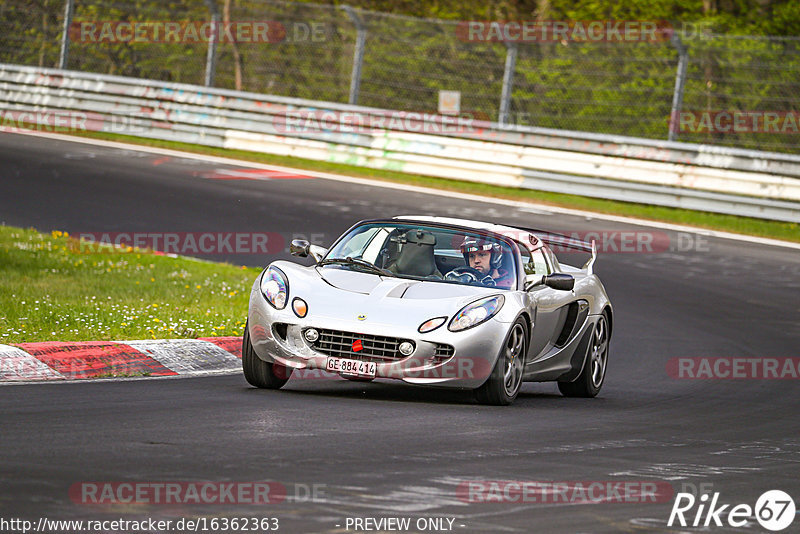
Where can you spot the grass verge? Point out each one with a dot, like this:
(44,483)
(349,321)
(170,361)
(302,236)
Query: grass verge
(713,221)
(54,289)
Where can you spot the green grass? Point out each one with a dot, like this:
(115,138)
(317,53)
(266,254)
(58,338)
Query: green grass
(120,375)
(728,223)
(55,290)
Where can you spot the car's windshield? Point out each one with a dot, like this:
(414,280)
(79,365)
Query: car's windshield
(423,252)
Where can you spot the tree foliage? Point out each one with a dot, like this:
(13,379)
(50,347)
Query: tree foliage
(620,88)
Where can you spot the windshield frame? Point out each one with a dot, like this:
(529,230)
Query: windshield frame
(511,243)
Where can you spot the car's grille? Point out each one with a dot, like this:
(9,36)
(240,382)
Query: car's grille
(374,348)
(444,352)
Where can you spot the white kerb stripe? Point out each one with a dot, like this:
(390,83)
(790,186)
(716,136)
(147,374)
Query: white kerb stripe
(16,364)
(188,356)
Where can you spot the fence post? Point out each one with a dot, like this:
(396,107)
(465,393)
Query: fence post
(64,55)
(680,82)
(211,54)
(358,53)
(508,82)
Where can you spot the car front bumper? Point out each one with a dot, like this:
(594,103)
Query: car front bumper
(475,350)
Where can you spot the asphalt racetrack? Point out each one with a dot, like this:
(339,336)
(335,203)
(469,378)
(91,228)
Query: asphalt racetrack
(352,450)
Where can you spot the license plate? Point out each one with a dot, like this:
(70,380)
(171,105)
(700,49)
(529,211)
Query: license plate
(351,367)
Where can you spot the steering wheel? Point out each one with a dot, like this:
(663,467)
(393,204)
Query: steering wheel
(469,275)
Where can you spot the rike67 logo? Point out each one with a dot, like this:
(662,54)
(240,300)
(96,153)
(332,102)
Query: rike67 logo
(774,511)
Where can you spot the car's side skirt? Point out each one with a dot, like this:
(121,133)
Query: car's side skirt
(565,362)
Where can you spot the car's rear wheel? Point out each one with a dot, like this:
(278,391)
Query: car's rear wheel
(593,374)
(259,373)
(504,383)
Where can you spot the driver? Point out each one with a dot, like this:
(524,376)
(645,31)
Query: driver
(483,260)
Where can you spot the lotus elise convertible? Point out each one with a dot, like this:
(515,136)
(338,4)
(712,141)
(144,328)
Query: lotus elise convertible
(433,301)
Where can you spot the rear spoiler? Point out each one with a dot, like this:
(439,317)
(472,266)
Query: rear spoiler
(561,240)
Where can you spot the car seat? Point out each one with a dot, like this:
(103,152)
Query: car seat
(416,256)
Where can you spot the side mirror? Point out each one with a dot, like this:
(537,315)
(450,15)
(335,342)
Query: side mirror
(299,248)
(303,249)
(558,281)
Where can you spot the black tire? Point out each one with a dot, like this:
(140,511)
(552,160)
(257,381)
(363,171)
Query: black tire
(503,385)
(593,375)
(259,373)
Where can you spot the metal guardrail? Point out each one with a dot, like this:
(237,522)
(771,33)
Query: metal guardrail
(673,83)
(708,178)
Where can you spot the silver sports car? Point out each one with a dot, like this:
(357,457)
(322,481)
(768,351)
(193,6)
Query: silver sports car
(435,301)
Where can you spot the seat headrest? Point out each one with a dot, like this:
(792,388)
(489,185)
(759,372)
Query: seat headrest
(416,257)
(420,237)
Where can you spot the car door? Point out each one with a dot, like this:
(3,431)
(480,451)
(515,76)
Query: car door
(550,306)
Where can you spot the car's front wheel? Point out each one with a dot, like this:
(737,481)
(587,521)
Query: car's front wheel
(593,374)
(259,373)
(504,383)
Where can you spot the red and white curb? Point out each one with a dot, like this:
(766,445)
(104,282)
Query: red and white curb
(25,362)
(255,174)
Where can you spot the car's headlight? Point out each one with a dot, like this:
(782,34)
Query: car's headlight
(275,287)
(476,313)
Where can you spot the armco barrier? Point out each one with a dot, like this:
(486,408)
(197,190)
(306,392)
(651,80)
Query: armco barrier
(701,177)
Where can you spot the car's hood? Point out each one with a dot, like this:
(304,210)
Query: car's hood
(366,284)
(339,293)
(350,280)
